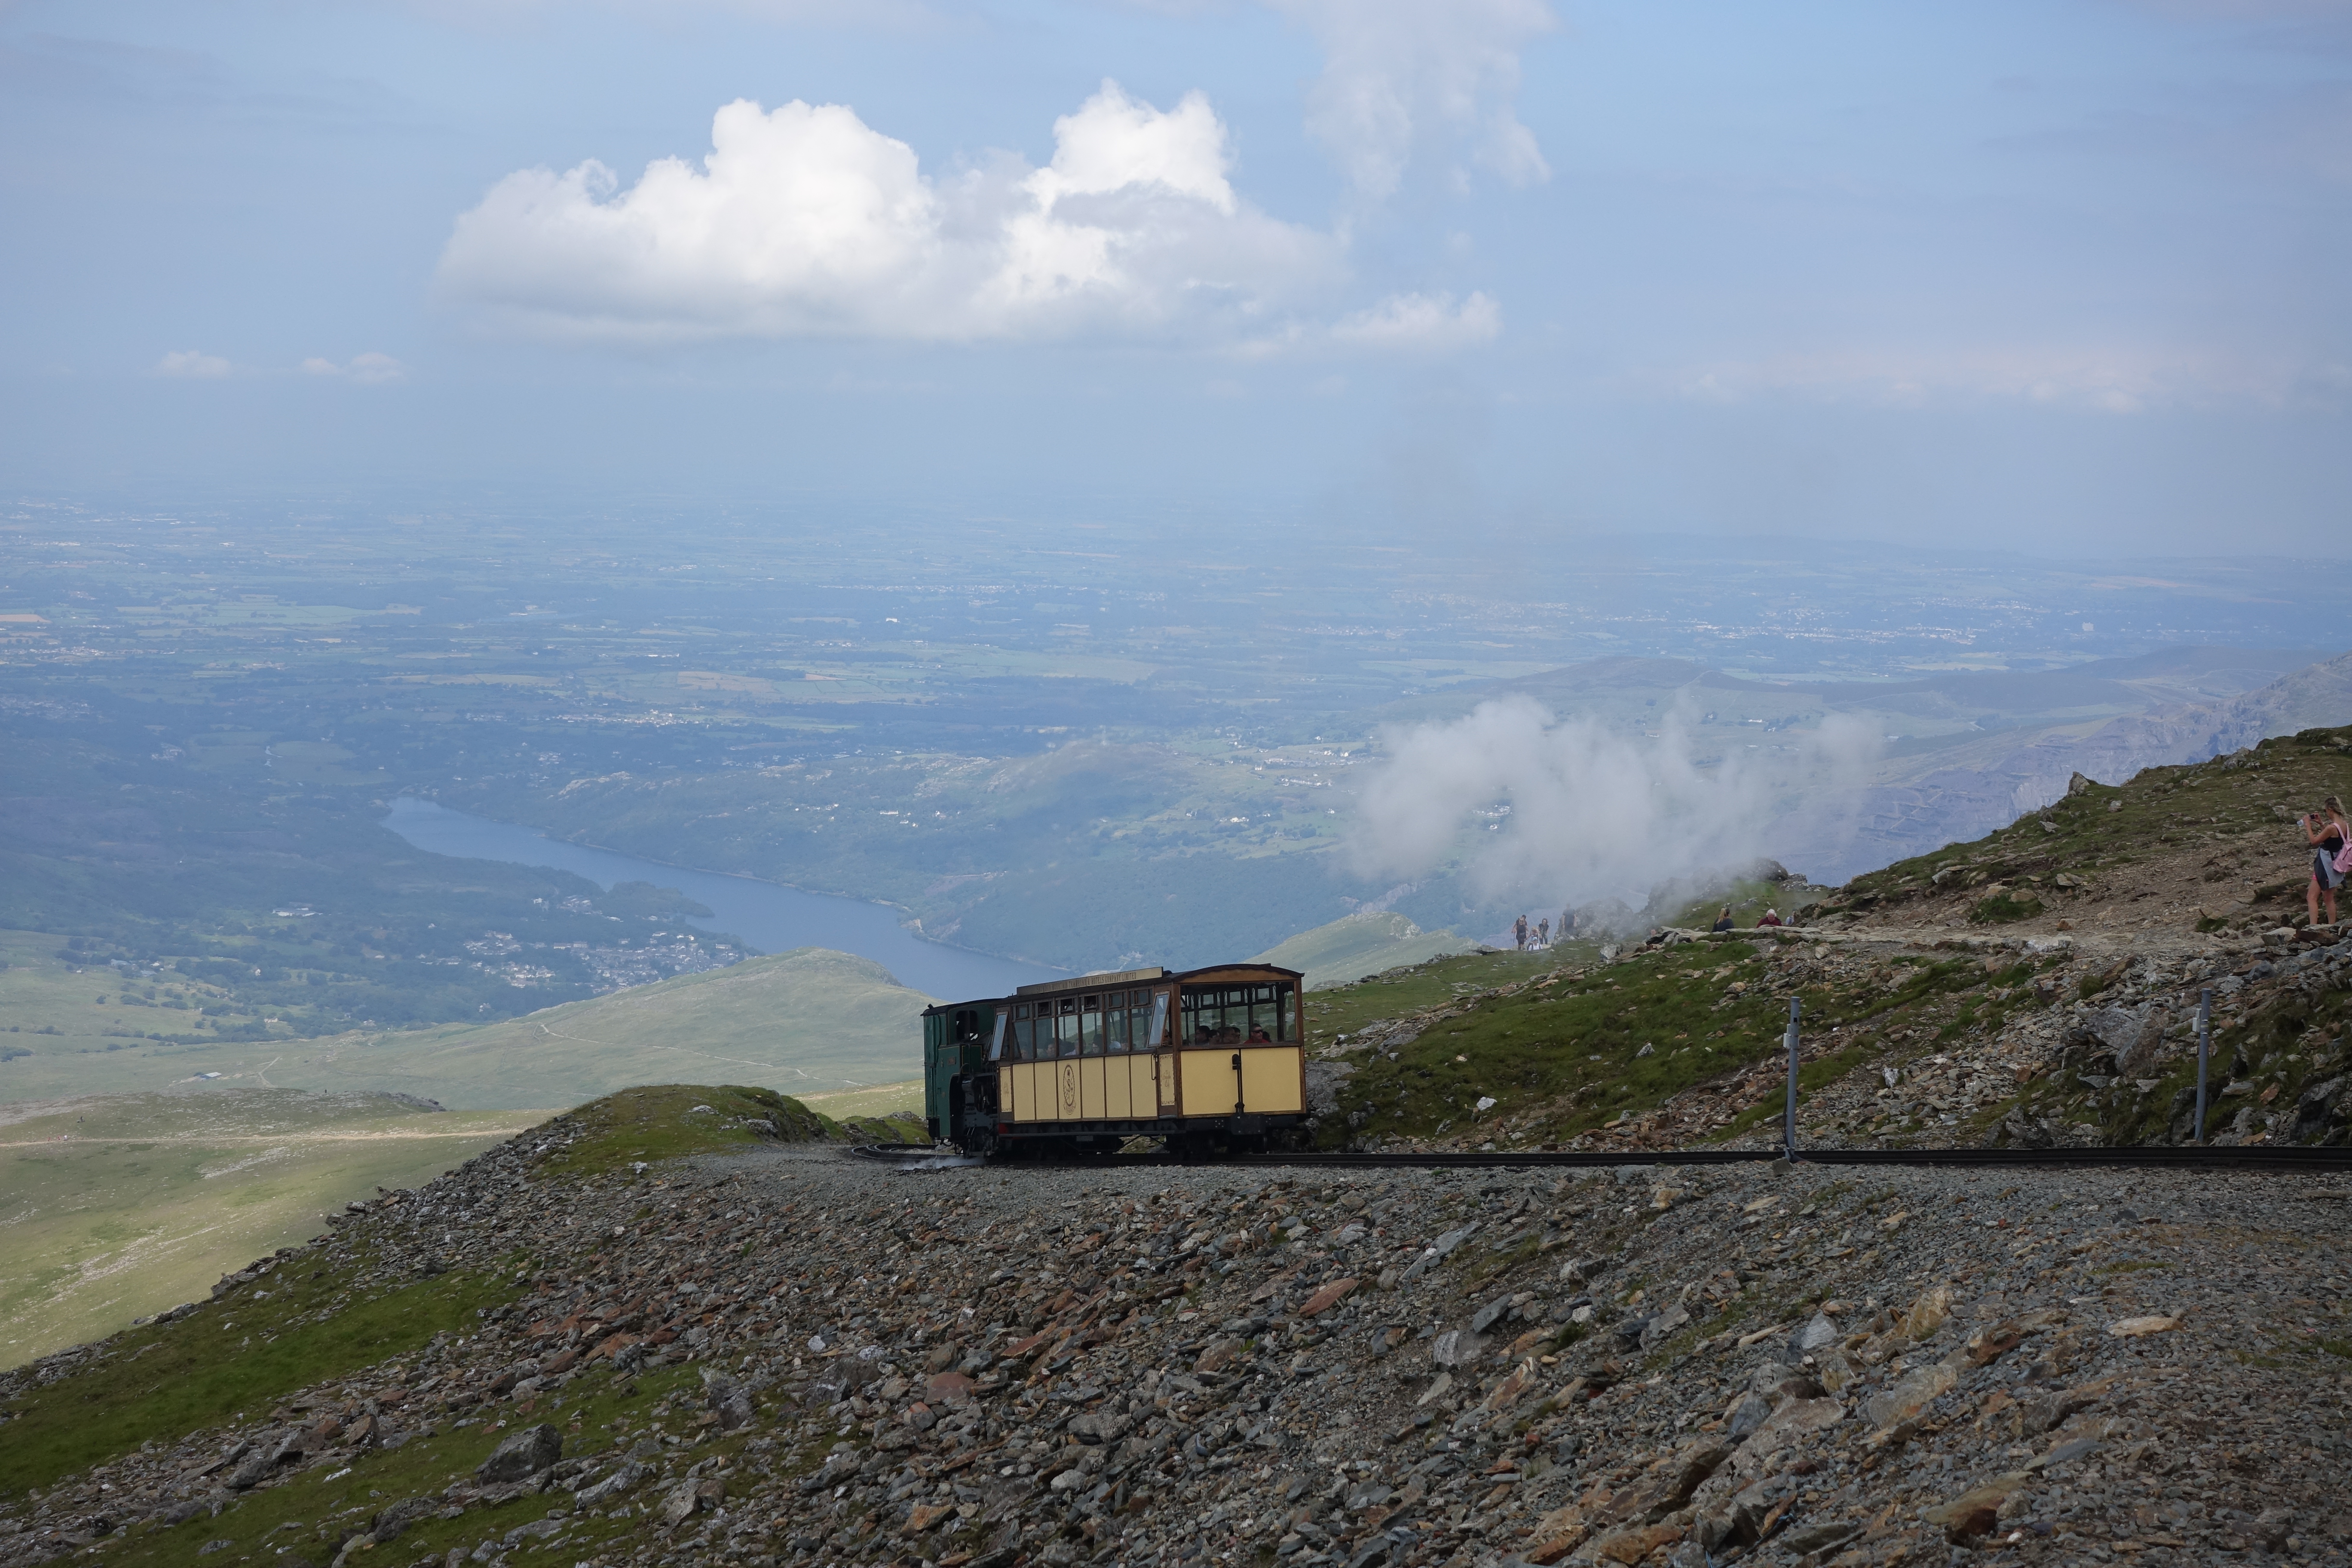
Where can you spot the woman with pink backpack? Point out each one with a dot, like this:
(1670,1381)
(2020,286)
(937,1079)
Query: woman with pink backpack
(2330,834)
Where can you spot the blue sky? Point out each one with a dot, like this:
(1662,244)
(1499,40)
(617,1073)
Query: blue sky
(2058,275)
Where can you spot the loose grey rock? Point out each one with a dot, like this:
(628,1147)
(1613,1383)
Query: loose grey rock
(522,1454)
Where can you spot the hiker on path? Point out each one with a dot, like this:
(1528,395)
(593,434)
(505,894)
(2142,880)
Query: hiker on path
(1519,932)
(2327,831)
(1543,932)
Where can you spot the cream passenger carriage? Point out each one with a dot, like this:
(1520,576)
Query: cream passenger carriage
(1206,1058)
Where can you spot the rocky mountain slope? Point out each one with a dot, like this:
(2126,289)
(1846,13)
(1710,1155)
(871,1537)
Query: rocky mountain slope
(565,1354)
(679,1326)
(2037,985)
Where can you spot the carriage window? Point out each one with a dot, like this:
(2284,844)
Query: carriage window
(1114,1023)
(1158,1019)
(1238,1015)
(996,1045)
(1090,1027)
(1066,1027)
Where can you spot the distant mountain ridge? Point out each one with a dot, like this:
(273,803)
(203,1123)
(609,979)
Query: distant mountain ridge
(1895,820)
(1966,751)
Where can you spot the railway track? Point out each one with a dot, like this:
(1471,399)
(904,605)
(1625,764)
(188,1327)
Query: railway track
(2329,1161)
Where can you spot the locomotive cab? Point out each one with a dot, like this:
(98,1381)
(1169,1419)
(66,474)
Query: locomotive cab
(956,1036)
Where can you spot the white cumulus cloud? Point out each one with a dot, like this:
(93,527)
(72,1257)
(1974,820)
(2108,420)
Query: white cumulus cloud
(805,220)
(191,365)
(1401,74)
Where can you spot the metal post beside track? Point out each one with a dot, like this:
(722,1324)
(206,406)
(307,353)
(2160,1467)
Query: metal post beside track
(1789,1126)
(2204,1051)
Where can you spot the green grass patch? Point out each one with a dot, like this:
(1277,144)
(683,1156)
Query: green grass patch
(1393,993)
(1575,1046)
(237,1354)
(307,1512)
(2002,907)
(672,1120)
(1813,1075)
(1490,1265)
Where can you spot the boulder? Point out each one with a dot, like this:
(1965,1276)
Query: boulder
(1793,1420)
(726,1398)
(627,1478)
(523,1454)
(1820,1331)
(1914,1393)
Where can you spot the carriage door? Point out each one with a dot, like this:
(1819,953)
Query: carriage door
(1163,1058)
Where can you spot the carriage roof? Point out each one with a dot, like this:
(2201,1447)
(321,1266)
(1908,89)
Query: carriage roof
(1155,973)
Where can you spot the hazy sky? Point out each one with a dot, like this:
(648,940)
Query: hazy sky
(2062,276)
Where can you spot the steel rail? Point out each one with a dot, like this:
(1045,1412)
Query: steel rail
(2183,1157)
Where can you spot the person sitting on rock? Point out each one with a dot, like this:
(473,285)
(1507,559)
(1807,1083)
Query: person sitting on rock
(1723,920)
(1771,917)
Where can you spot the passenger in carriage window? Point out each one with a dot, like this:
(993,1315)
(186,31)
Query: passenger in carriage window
(1258,1036)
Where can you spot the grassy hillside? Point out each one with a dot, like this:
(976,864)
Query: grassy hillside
(883,1099)
(808,1020)
(2161,871)
(118,1207)
(2212,844)
(1564,1049)
(1357,945)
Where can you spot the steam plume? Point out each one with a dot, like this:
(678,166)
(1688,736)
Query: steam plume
(1593,812)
